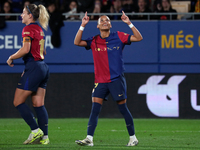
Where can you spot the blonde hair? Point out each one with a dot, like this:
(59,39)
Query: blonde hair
(43,17)
(39,12)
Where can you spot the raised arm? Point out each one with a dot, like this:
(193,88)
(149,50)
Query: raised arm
(136,34)
(78,37)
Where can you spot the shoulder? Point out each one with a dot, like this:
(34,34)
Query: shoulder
(26,28)
(26,31)
(119,33)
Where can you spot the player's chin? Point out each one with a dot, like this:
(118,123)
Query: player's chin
(105,29)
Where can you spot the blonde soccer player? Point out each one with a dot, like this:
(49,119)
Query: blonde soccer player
(34,79)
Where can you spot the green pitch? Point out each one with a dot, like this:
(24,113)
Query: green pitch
(159,134)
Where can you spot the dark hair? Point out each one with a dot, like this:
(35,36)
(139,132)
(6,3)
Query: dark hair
(34,10)
(169,4)
(9,5)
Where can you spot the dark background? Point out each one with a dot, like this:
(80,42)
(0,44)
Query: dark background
(69,96)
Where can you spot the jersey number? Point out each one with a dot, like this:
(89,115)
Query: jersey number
(41,43)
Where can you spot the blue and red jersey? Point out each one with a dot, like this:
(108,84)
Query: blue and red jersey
(107,55)
(35,32)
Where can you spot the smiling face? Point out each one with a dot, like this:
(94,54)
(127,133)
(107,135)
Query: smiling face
(25,16)
(104,23)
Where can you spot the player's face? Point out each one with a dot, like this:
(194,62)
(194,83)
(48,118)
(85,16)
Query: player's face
(25,16)
(104,23)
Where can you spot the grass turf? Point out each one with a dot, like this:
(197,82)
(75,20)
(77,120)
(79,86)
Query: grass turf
(160,134)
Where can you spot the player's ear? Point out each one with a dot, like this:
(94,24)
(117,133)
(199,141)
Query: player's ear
(30,15)
(97,26)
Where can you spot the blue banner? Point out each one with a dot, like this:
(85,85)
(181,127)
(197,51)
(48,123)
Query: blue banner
(167,46)
(179,42)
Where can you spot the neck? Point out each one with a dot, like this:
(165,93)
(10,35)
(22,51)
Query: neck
(31,21)
(105,34)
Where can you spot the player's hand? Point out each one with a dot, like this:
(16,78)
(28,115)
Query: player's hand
(10,62)
(125,18)
(85,20)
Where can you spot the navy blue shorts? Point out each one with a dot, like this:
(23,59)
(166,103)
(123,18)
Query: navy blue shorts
(117,89)
(36,74)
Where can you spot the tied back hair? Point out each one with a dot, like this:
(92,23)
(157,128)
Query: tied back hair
(39,12)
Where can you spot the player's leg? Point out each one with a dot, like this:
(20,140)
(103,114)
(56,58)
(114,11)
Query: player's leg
(129,122)
(93,120)
(19,102)
(127,116)
(38,98)
(41,112)
(118,91)
(100,92)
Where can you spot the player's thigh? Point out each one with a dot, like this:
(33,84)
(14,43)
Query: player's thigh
(100,90)
(45,74)
(20,96)
(31,78)
(118,89)
(38,97)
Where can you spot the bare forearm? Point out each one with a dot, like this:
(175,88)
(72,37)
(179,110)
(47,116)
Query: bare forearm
(136,33)
(78,37)
(20,53)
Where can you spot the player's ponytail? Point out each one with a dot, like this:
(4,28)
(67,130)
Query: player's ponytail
(43,17)
(39,12)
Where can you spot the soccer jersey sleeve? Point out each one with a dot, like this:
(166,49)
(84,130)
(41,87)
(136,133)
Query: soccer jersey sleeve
(27,32)
(124,37)
(89,41)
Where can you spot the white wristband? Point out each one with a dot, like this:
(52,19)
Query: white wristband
(131,25)
(81,28)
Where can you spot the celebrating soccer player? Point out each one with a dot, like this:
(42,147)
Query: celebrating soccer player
(107,50)
(34,78)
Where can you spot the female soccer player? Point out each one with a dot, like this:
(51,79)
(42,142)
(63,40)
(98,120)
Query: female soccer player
(107,50)
(34,78)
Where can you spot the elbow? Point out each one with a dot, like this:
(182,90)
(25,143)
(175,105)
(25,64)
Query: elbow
(76,43)
(26,50)
(140,39)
